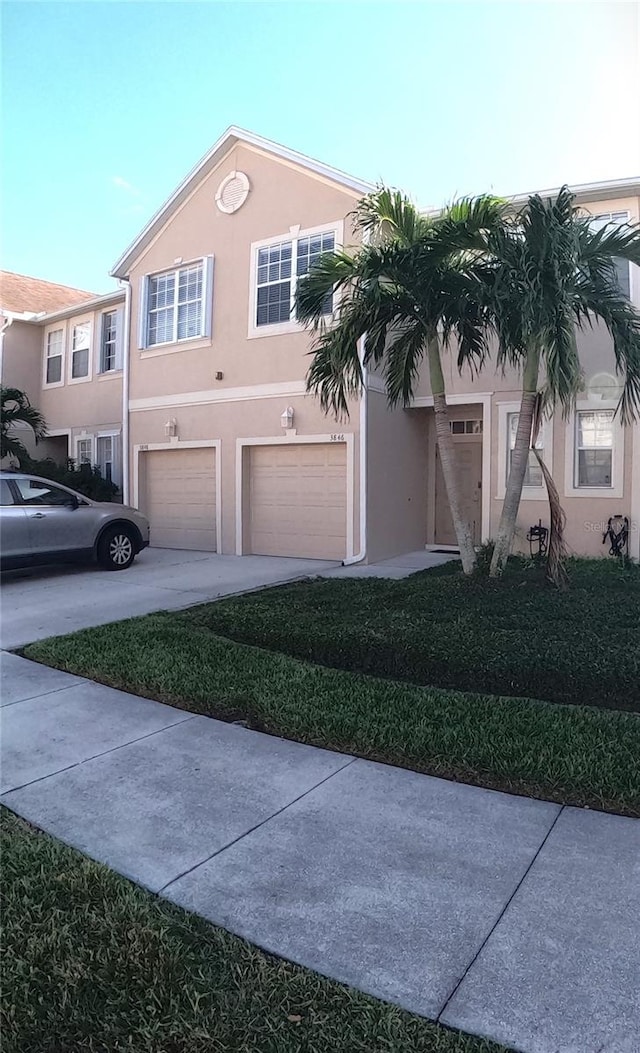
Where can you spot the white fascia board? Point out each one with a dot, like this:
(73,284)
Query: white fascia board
(117,296)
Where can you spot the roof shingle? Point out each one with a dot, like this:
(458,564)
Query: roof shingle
(20,293)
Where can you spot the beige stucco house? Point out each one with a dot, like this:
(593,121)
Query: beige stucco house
(221,446)
(64,347)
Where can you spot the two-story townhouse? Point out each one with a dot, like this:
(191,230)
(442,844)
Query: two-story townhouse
(80,381)
(227,451)
(64,348)
(228,454)
(594,459)
(188,386)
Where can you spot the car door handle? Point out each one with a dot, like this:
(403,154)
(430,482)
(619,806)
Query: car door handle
(37,515)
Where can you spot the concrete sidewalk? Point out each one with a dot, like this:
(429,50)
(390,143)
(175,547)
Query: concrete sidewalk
(507,917)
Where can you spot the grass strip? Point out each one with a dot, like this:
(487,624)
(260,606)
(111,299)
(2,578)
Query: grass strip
(573,755)
(93,964)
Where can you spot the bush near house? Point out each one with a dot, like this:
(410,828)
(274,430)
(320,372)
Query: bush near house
(92,963)
(85,478)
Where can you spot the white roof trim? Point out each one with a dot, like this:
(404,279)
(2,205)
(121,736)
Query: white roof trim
(81,308)
(603,191)
(232,136)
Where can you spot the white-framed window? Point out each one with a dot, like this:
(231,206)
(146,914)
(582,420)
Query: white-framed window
(84,450)
(466,427)
(110,325)
(107,456)
(534,488)
(80,350)
(55,354)
(176,305)
(533,475)
(594,450)
(276,266)
(593,465)
(623,267)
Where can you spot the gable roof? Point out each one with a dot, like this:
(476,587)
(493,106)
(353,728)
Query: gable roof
(226,142)
(21,294)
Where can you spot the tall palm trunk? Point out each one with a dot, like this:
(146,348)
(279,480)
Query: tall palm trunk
(519,461)
(450,474)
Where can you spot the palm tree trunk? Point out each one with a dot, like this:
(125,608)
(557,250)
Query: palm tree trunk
(519,461)
(446,446)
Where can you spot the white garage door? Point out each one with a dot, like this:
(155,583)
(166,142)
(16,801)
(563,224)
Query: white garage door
(298,500)
(179,498)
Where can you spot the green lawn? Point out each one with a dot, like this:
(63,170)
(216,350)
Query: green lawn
(514,637)
(575,755)
(93,964)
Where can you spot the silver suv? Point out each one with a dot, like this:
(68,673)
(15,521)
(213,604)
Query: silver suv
(44,522)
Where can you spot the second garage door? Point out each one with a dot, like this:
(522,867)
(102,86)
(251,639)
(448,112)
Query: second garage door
(178,496)
(298,500)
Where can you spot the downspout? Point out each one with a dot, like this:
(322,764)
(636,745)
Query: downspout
(362,554)
(126,339)
(7,323)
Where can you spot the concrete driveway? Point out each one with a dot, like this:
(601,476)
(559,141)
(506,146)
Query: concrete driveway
(51,601)
(45,602)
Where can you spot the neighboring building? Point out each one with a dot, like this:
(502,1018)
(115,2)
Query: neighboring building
(226,452)
(63,346)
(81,360)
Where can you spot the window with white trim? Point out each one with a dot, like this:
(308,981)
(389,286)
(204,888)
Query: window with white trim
(175,306)
(594,448)
(616,219)
(108,342)
(84,451)
(278,268)
(55,344)
(533,474)
(80,350)
(105,456)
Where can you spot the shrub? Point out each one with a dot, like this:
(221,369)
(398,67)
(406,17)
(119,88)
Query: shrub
(87,479)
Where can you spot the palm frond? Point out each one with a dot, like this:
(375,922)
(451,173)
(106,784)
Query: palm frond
(388,215)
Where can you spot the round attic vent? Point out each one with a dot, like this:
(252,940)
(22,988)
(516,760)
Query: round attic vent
(232,192)
(604,386)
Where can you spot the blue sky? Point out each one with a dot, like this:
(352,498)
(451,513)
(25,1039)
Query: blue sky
(107,105)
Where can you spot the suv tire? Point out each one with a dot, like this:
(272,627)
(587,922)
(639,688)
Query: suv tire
(117,548)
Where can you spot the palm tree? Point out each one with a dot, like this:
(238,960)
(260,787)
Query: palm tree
(15,408)
(552,274)
(414,285)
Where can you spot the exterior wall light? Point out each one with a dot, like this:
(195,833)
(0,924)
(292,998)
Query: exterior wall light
(286,418)
(171,428)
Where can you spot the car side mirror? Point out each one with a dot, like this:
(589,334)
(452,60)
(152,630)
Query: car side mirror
(72,502)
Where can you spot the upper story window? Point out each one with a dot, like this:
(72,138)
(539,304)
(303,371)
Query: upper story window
(278,266)
(80,350)
(55,348)
(176,305)
(594,448)
(533,474)
(623,277)
(108,342)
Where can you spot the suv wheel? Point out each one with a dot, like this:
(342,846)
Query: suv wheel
(116,548)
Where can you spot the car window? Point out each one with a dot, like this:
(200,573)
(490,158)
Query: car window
(35,492)
(6,496)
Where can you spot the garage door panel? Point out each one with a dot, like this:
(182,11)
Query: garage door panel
(179,488)
(297,500)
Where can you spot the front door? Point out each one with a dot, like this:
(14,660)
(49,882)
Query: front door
(469,458)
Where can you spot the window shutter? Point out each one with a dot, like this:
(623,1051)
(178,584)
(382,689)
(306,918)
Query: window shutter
(142,318)
(207,282)
(120,338)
